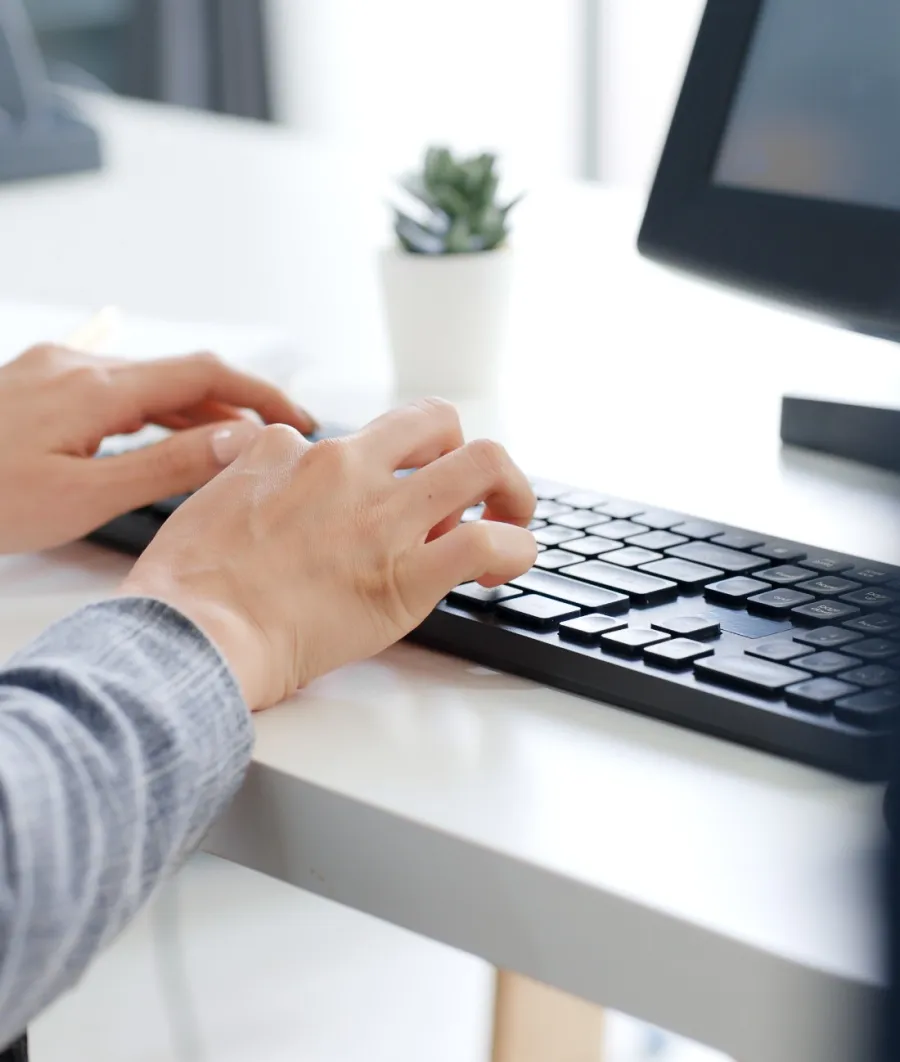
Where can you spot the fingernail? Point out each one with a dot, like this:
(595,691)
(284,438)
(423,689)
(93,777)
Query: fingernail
(229,443)
(307,417)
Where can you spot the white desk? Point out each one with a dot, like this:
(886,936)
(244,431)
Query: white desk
(715,891)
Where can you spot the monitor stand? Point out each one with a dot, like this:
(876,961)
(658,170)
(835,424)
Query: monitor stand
(41,132)
(860,433)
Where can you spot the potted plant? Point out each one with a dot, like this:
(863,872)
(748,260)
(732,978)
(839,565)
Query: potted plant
(447,280)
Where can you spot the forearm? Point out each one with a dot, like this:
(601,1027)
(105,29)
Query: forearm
(122,736)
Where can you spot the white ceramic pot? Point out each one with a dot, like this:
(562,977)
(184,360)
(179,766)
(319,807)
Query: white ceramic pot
(447,318)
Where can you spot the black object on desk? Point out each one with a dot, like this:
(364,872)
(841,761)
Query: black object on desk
(41,133)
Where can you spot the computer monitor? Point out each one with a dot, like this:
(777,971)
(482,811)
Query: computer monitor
(781,175)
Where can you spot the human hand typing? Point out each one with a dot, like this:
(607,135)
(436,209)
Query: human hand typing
(300,558)
(57,406)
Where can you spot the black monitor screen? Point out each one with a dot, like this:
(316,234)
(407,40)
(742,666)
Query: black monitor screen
(817,113)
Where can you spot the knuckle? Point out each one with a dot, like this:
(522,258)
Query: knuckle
(330,455)
(207,360)
(438,408)
(280,440)
(42,354)
(488,456)
(95,380)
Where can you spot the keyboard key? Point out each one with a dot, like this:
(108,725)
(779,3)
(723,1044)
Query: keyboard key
(582,499)
(573,592)
(872,710)
(698,529)
(686,573)
(632,556)
(661,519)
(877,649)
(631,641)
(729,560)
(643,589)
(618,509)
(555,536)
(546,489)
(780,650)
(656,540)
(738,540)
(592,546)
(826,611)
(784,574)
(556,558)
(545,509)
(536,525)
(688,626)
(780,551)
(676,654)
(876,623)
(618,529)
(870,573)
(828,663)
(871,676)
(827,564)
(734,591)
(748,673)
(588,629)
(826,637)
(578,520)
(748,625)
(778,602)
(473,513)
(482,598)
(828,586)
(818,693)
(531,610)
(871,597)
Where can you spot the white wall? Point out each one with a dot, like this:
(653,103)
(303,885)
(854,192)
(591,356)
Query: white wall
(645,47)
(385,77)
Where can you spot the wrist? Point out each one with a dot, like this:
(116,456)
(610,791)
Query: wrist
(236,641)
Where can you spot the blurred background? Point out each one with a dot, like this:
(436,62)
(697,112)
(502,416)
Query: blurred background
(574,88)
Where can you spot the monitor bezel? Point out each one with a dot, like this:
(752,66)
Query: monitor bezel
(838,259)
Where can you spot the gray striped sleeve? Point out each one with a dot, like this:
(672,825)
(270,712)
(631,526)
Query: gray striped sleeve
(122,735)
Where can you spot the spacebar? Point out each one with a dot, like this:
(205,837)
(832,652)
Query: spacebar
(645,589)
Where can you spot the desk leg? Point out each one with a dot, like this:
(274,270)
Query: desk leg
(536,1023)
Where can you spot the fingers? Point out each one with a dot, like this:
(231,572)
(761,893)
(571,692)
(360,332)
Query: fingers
(202,382)
(204,413)
(180,464)
(479,471)
(485,552)
(414,435)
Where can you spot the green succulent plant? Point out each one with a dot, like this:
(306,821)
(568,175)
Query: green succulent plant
(458,211)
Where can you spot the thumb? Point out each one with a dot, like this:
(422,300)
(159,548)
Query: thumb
(184,462)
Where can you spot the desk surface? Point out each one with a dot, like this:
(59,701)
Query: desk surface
(717,891)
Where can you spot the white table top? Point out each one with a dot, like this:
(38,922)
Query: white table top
(717,891)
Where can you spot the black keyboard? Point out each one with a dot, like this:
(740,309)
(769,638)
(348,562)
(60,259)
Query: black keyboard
(769,643)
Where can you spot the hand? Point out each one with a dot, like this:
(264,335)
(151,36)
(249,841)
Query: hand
(57,406)
(301,558)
